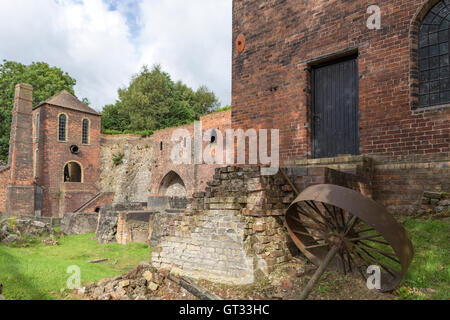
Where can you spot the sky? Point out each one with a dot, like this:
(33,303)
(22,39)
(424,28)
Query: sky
(103,43)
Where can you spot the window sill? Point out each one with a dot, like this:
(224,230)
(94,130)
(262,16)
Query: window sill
(432,108)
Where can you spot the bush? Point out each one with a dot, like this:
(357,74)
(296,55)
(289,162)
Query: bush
(118,159)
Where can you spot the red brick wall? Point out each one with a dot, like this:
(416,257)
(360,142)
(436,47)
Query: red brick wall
(271,81)
(5,174)
(400,185)
(54,155)
(194,176)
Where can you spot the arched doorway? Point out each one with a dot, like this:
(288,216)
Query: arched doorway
(73,172)
(172,186)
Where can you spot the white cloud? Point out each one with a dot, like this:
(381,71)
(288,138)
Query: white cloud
(191,40)
(95,45)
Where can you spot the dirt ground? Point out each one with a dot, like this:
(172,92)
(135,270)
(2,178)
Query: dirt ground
(285,283)
(288,281)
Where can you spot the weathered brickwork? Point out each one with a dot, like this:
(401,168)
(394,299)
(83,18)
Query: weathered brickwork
(4,180)
(147,170)
(20,190)
(400,185)
(236,227)
(60,197)
(271,77)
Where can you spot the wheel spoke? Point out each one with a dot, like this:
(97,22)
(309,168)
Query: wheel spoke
(372,258)
(333,217)
(366,237)
(350,225)
(317,246)
(313,206)
(303,213)
(384,253)
(365,230)
(341,256)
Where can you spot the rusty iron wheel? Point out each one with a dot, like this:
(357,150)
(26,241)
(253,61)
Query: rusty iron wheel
(324,217)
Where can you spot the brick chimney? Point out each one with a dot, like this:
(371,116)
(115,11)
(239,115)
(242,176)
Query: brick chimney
(20,191)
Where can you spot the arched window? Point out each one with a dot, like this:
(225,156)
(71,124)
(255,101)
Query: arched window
(73,172)
(37,127)
(85,132)
(434,75)
(213,136)
(62,134)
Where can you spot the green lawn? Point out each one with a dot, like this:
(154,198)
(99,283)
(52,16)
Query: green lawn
(39,272)
(430,268)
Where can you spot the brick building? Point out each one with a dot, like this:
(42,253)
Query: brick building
(66,142)
(332,86)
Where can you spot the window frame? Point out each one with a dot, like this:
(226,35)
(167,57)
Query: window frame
(66,127)
(88,134)
(433,59)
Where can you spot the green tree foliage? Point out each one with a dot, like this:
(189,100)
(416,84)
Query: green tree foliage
(153,101)
(46,81)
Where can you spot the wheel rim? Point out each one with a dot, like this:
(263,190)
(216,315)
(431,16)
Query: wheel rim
(326,215)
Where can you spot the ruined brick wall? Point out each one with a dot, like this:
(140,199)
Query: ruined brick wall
(271,78)
(194,176)
(20,190)
(229,231)
(145,165)
(59,196)
(236,227)
(5,174)
(133,227)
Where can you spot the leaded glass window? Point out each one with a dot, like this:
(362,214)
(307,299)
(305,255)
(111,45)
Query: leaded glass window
(434,75)
(85,133)
(62,127)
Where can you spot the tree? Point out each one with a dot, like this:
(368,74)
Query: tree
(46,81)
(153,101)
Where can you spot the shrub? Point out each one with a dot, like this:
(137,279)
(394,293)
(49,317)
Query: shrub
(118,159)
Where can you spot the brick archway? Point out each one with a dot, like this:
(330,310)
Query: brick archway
(172,186)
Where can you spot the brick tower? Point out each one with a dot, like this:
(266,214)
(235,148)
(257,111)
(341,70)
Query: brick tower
(20,190)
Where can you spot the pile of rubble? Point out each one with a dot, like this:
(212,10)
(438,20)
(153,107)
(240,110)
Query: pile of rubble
(142,283)
(435,203)
(12,230)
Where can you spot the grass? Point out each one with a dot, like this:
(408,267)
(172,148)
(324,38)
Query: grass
(40,272)
(430,268)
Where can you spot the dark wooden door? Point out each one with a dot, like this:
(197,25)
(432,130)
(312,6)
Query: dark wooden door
(335,128)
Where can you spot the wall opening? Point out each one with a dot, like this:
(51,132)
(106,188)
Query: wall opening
(172,186)
(73,172)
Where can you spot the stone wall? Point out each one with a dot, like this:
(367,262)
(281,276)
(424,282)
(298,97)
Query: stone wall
(229,231)
(147,162)
(79,223)
(435,204)
(114,226)
(236,228)
(133,227)
(129,180)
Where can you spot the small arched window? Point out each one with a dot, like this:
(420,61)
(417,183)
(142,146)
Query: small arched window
(434,75)
(73,172)
(85,132)
(37,127)
(213,136)
(62,131)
